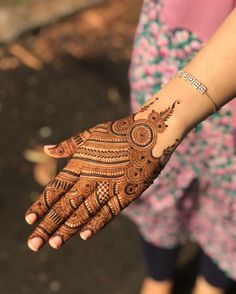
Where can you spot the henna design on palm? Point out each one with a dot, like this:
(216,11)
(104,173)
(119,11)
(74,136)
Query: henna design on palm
(112,164)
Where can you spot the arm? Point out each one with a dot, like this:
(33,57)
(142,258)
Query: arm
(114,162)
(215,67)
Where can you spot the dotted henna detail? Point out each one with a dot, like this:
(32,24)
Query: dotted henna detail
(140,158)
(133,174)
(147,106)
(85,187)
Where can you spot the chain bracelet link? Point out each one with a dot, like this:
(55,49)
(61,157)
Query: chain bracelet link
(197,85)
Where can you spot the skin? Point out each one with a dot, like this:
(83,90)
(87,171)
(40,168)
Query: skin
(202,286)
(151,286)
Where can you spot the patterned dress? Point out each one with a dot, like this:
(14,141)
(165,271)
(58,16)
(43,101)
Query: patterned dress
(169,213)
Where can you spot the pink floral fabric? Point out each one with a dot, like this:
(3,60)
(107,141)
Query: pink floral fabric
(169,213)
(201,17)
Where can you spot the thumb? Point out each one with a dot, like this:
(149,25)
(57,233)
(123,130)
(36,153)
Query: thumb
(68,147)
(64,149)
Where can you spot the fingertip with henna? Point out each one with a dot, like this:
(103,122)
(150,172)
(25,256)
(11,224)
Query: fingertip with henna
(31,218)
(35,244)
(55,242)
(86,234)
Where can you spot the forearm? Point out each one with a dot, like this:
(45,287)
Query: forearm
(215,67)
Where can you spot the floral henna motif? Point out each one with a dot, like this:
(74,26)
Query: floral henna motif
(112,164)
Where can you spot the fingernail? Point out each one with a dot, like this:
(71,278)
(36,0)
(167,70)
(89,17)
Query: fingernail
(31,218)
(86,234)
(35,244)
(49,146)
(55,242)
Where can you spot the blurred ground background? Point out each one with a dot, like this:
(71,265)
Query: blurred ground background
(60,73)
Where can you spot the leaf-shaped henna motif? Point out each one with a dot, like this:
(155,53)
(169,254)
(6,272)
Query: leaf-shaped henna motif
(169,111)
(147,106)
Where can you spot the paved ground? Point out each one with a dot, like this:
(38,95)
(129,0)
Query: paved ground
(64,97)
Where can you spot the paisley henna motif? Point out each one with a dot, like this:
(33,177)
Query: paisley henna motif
(112,164)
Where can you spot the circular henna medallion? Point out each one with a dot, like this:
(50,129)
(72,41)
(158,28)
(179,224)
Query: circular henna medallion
(120,126)
(85,187)
(128,190)
(132,191)
(138,158)
(141,135)
(133,175)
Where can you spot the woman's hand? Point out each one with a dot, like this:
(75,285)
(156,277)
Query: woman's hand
(111,165)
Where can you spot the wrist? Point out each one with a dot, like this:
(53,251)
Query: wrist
(162,102)
(168,127)
(193,107)
(187,107)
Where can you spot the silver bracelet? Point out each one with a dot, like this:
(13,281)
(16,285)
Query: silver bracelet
(197,85)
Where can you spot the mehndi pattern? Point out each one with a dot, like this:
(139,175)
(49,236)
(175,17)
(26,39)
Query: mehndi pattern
(112,164)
